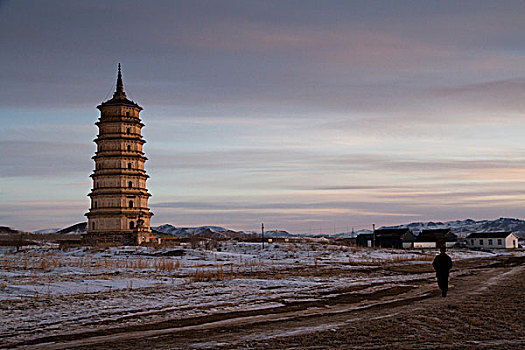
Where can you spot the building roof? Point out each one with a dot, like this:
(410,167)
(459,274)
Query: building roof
(436,235)
(119,96)
(391,232)
(489,235)
(439,231)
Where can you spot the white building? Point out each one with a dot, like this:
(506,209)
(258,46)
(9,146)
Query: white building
(492,240)
(435,238)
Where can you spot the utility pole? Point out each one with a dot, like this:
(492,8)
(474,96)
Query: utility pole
(262,234)
(373,235)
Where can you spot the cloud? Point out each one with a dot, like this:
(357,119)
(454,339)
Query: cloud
(286,160)
(38,214)
(44,159)
(295,216)
(205,55)
(294,160)
(349,188)
(500,95)
(371,108)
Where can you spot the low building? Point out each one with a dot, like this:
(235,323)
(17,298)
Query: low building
(364,240)
(435,239)
(394,238)
(492,240)
(387,238)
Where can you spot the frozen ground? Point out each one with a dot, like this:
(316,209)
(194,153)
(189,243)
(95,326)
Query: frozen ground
(51,295)
(54,272)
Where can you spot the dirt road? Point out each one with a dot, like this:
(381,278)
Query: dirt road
(485,309)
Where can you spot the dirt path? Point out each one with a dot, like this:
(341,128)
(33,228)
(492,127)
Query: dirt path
(485,309)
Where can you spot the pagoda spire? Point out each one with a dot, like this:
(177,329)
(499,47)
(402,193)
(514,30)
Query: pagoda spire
(119,92)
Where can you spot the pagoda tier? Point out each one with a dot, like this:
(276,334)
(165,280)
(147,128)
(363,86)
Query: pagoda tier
(119,197)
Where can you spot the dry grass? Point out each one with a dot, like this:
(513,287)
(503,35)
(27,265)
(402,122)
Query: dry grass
(390,260)
(209,275)
(34,263)
(48,262)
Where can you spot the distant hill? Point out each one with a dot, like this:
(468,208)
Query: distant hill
(351,234)
(460,227)
(47,230)
(76,229)
(203,231)
(465,227)
(187,231)
(277,233)
(8,230)
(208,231)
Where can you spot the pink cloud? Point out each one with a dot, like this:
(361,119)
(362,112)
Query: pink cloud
(382,49)
(346,45)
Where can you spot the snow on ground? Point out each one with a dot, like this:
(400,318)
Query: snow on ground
(52,289)
(35,272)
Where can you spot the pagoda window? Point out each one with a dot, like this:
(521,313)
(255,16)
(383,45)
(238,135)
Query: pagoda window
(130,204)
(92,225)
(129,165)
(127,114)
(131,225)
(130,184)
(95,204)
(129,148)
(128,131)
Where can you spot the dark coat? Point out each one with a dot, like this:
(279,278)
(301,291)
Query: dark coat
(442,264)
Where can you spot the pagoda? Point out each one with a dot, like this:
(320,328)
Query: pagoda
(119,210)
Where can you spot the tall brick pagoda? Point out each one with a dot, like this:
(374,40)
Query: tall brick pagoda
(119,198)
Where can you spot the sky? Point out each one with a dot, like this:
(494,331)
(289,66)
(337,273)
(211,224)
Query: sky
(309,116)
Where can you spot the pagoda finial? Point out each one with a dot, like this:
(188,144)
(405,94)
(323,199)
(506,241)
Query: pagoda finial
(119,92)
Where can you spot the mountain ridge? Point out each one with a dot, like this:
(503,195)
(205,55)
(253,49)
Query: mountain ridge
(460,227)
(467,226)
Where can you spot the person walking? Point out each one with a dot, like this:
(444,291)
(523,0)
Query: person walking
(442,264)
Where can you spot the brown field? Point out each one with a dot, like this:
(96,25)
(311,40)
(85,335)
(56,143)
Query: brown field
(485,309)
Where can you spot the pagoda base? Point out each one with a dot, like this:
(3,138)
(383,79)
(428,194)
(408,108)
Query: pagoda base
(117,238)
(144,237)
